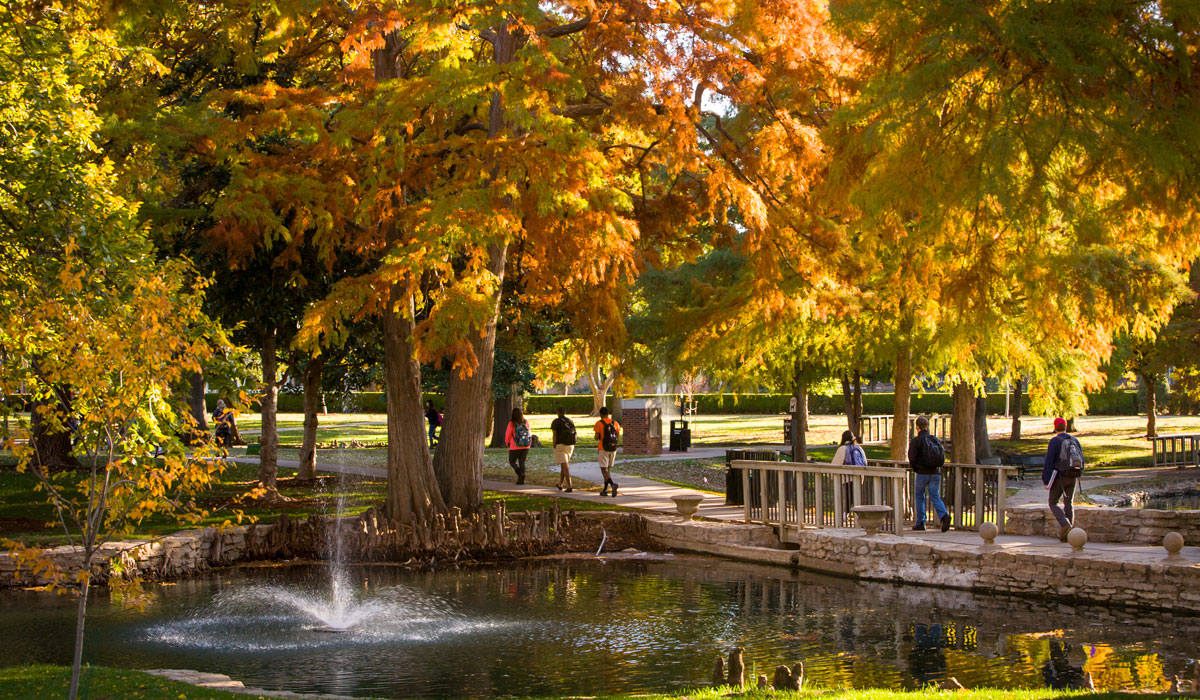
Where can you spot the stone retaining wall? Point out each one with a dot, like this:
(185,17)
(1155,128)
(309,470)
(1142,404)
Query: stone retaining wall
(1130,525)
(181,554)
(1077,576)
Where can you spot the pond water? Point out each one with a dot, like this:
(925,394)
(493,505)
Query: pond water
(1189,500)
(586,626)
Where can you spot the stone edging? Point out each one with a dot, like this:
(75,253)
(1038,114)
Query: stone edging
(1128,525)
(219,681)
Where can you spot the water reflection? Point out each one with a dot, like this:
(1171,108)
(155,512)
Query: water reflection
(582,626)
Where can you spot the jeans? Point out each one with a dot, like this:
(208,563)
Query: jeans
(1063,488)
(932,483)
(432,434)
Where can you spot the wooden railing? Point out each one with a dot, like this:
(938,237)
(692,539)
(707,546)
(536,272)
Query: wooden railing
(1176,450)
(794,495)
(973,493)
(879,428)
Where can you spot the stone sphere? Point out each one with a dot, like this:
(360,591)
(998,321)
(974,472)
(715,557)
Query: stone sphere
(1173,543)
(988,532)
(1077,537)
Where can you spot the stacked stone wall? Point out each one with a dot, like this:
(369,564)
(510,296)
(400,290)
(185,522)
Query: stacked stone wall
(1086,576)
(1128,525)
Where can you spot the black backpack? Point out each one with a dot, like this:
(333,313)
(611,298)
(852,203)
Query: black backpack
(564,432)
(609,441)
(932,454)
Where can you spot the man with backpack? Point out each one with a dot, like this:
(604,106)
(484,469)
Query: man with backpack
(1064,466)
(608,434)
(564,438)
(926,455)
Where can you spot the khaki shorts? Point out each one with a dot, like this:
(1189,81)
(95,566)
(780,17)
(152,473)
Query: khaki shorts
(562,453)
(607,459)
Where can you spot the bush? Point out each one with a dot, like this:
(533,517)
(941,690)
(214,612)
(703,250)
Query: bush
(1104,403)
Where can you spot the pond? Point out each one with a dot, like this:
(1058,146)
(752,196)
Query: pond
(1188,500)
(582,626)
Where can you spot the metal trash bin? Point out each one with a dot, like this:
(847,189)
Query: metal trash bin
(681,436)
(733,477)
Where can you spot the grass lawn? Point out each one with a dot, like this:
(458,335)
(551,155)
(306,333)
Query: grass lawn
(40,682)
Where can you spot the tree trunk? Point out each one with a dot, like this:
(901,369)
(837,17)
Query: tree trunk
(903,380)
(615,406)
(858,405)
(80,618)
(597,382)
(800,419)
(983,445)
(412,492)
(1017,409)
(962,425)
(307,471)
(268,440)
(52,448)
(1151,383)
(412,489)
(501,414)
(848,404)
(196,401)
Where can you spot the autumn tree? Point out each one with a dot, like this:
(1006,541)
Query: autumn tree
(1027,160)
(85,305)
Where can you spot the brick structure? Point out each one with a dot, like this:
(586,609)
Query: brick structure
(641,426)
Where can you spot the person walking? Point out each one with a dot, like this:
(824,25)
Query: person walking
(226,425)
(608,434)
(1060,475)
(518,437)
(434,419)
(926,455)
(849,451)
(563,430)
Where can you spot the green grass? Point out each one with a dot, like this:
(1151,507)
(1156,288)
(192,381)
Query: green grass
(42,682)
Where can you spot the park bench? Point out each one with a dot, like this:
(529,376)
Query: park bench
(1178,450)
(1033,462)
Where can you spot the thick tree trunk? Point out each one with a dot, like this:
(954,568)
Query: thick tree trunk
(412,492)
(597,382)
(615,406)
(268,440)
(800,420)
(858,405)
(412,489)
(307,471)
(983,445)
(1151,383)
(501,414)
(1017,409)
(458,461)
(962,425)
(903,380)
(52,448)
(196,401)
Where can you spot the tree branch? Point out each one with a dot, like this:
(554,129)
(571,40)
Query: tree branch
(566,29)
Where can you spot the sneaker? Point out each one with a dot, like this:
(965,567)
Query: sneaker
(604,491)
(614,484)
(568,490)
(945,522)
(558,486)
(1062,533)
(919,527)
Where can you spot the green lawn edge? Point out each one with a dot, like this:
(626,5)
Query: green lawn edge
(44,682)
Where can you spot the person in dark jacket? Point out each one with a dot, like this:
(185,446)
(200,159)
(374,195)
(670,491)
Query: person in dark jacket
(929,478)
(1060,486)
(434,419)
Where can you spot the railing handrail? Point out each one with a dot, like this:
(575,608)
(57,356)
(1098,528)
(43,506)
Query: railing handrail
(818,468)
(1174,436)
(904,463)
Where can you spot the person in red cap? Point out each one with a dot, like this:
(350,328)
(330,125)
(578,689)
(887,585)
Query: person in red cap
(1064,466)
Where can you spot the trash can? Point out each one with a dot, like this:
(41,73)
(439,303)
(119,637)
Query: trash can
(733,477)
(681,436)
